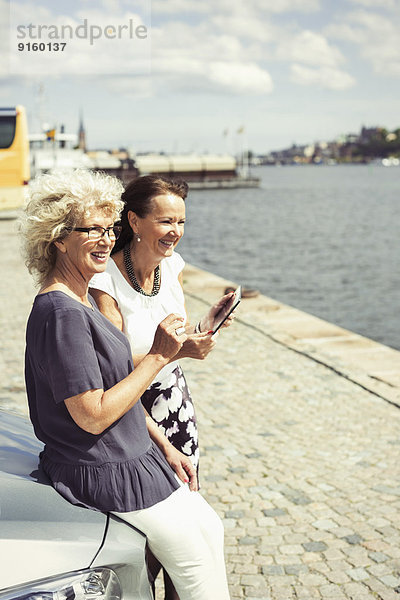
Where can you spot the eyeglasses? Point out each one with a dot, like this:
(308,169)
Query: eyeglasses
(96,233)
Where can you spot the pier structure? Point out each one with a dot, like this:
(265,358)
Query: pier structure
(299,426)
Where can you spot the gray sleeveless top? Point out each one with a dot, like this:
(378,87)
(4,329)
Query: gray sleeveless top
(71,348)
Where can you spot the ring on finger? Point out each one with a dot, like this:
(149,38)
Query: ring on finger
(180,330)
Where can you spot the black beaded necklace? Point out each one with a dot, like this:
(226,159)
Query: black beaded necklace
(132,277)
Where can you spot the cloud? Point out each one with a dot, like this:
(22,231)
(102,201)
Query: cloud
(210,59)
(241,77)
(111,6)
(248,27)
(310,48)
(198,58)
(178,7)
(377,37)
(376,3)
(218,46)
(283,6)
(4,45)
(191,75)
(181,40)
(301,49)
(222,56)
(89,42)
(314,61)
(229,7)
(326,77)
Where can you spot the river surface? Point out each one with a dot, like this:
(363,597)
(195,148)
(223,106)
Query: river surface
(324,239)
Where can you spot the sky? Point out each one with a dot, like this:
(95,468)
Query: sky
(204,75)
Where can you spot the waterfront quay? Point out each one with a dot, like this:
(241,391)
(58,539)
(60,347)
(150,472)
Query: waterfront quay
(300,439)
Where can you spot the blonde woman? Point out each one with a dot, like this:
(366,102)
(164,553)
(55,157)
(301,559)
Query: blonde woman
(101,450)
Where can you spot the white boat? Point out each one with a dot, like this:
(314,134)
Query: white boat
(51,150)
(58,151)
(201,171)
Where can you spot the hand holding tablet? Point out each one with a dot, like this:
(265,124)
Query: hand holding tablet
(227,309)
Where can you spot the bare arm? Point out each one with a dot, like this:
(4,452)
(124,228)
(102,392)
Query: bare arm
(197,347)
(108,306)
(207,321)
(189,328)
(110,309)
(95,410)
(181,463)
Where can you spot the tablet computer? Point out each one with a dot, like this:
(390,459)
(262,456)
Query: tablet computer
(226,310)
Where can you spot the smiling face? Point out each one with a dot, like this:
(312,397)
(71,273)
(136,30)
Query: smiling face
(162,228)
(85,257)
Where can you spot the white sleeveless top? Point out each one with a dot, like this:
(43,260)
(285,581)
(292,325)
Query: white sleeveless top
(142,314)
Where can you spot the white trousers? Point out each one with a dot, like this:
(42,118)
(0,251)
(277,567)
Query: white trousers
(186,535)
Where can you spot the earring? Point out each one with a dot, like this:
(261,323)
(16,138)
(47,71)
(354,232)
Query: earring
(138,237)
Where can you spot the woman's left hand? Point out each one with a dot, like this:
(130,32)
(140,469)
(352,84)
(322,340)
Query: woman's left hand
(207,322)
(182,466)
(197,345)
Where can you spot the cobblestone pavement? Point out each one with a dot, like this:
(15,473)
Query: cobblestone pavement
(301,464)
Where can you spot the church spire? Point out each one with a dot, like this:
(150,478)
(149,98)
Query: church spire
(81,133)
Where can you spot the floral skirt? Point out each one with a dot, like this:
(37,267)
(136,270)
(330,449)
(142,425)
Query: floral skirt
(170,404)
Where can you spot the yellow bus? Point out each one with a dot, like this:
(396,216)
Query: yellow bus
(14,157)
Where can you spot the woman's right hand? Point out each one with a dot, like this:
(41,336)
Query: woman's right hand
(168,340)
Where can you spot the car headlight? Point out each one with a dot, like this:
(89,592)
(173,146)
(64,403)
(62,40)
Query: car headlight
(90,584)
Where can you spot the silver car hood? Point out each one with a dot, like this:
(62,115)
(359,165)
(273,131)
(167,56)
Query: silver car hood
(41,534)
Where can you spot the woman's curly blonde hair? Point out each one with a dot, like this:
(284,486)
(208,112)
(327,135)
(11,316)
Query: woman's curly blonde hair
(56,203)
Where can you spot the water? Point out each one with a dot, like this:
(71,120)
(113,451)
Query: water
(324,239)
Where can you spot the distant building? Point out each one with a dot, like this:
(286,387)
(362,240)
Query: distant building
(81,134)
(368,133)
